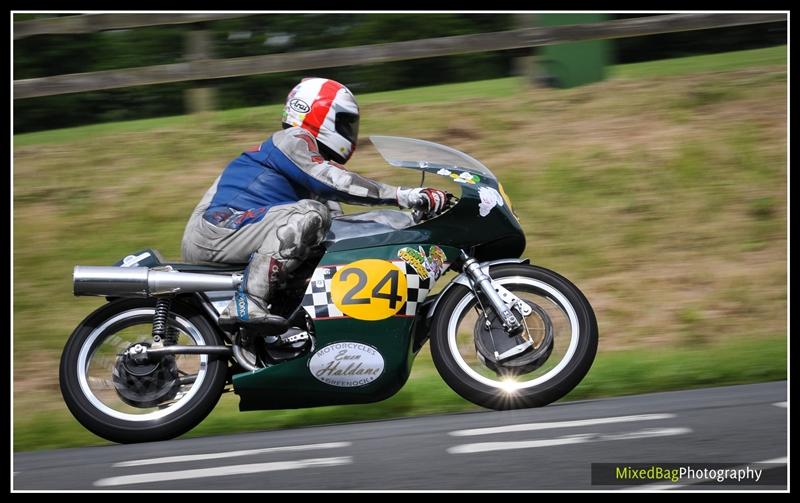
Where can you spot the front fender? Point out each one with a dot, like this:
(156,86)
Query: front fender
(462,279)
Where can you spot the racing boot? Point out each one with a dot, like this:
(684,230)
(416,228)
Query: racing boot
(247,310)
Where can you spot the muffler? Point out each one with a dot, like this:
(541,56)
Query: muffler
(112,281)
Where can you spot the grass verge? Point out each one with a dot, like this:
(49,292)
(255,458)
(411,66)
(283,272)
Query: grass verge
(613,374)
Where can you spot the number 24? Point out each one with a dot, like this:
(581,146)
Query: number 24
(391,277)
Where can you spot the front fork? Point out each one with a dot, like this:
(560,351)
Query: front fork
(484,283)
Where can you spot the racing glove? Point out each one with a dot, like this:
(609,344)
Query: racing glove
(430,201)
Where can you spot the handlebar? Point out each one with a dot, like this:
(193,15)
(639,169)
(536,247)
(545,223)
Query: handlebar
(417,214)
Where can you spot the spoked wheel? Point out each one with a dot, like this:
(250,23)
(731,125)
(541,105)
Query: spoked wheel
(546,361)
(124,400)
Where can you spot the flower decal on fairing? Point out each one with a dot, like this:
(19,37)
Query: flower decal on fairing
(489,199)
(430,265)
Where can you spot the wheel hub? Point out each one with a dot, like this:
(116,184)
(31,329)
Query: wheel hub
(145,383)
(492,342)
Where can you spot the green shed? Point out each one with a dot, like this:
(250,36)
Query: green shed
(575,63)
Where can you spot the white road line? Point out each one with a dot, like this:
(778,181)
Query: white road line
(218,471)
(566,440)
(780,404)
(230,454)
(560,424)
(662,487)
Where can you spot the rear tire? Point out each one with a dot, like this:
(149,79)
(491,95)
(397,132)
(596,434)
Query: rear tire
(86,386)
(571,359)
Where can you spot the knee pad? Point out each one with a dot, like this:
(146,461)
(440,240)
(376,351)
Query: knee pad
(316,223)
(304,228)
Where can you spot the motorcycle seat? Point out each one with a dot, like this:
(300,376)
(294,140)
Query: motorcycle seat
(206,267)
(152,258)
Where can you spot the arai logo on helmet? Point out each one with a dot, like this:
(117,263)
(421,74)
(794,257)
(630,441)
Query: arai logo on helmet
(299,105)
(346,364)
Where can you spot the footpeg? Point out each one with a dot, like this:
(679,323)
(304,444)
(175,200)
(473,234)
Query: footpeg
(290,344)
(269,324)
(294,338)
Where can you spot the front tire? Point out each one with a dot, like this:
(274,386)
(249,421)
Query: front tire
(106,403)
(560,310)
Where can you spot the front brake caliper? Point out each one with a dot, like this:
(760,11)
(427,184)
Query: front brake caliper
(512,300)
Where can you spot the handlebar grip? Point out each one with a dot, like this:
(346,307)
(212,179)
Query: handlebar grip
(420,209)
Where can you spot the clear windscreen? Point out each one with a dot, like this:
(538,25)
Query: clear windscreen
(421,154)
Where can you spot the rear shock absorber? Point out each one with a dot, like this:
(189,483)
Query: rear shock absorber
(161,329)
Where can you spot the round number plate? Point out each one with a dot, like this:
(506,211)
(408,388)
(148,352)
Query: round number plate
(369,289)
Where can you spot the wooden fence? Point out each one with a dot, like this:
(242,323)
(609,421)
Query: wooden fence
(91,23)
(203,69)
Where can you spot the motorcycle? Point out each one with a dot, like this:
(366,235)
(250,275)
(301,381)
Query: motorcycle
(152,362)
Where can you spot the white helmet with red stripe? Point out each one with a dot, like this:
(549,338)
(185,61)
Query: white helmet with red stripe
(329,111)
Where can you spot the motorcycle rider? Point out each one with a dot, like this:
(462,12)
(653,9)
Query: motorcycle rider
(273,203)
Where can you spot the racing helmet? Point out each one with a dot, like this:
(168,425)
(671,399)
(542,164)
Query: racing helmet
(329,111)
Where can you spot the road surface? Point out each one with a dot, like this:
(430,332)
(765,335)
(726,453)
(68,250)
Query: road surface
(534,449)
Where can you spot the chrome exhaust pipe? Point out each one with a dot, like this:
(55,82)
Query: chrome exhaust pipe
(145,282)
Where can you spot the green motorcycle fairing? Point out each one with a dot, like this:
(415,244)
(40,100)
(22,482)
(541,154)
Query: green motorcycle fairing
(361,360)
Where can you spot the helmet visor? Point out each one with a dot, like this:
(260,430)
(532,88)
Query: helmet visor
(347,126)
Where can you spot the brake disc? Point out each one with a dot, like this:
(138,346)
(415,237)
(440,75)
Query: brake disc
(519,354)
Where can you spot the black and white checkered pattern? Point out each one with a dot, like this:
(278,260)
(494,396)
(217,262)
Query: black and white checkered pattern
(418,288)
(318,303)
(317,300)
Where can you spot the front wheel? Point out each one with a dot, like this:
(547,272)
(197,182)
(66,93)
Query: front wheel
(124,401)
(559,341)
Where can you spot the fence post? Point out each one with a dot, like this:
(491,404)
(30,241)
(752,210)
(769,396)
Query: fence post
(525,66)
(198,47)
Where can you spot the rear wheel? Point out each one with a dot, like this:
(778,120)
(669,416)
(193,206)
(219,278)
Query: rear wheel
(559,340)
(124,401)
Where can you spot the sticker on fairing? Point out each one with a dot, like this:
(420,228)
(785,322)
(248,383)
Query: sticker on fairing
(369,289)
(427,265)
(463,177)
(489,199)
(507,201)
(346,364)
(466,177)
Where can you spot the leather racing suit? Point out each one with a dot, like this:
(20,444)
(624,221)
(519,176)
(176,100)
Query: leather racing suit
(271,205)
